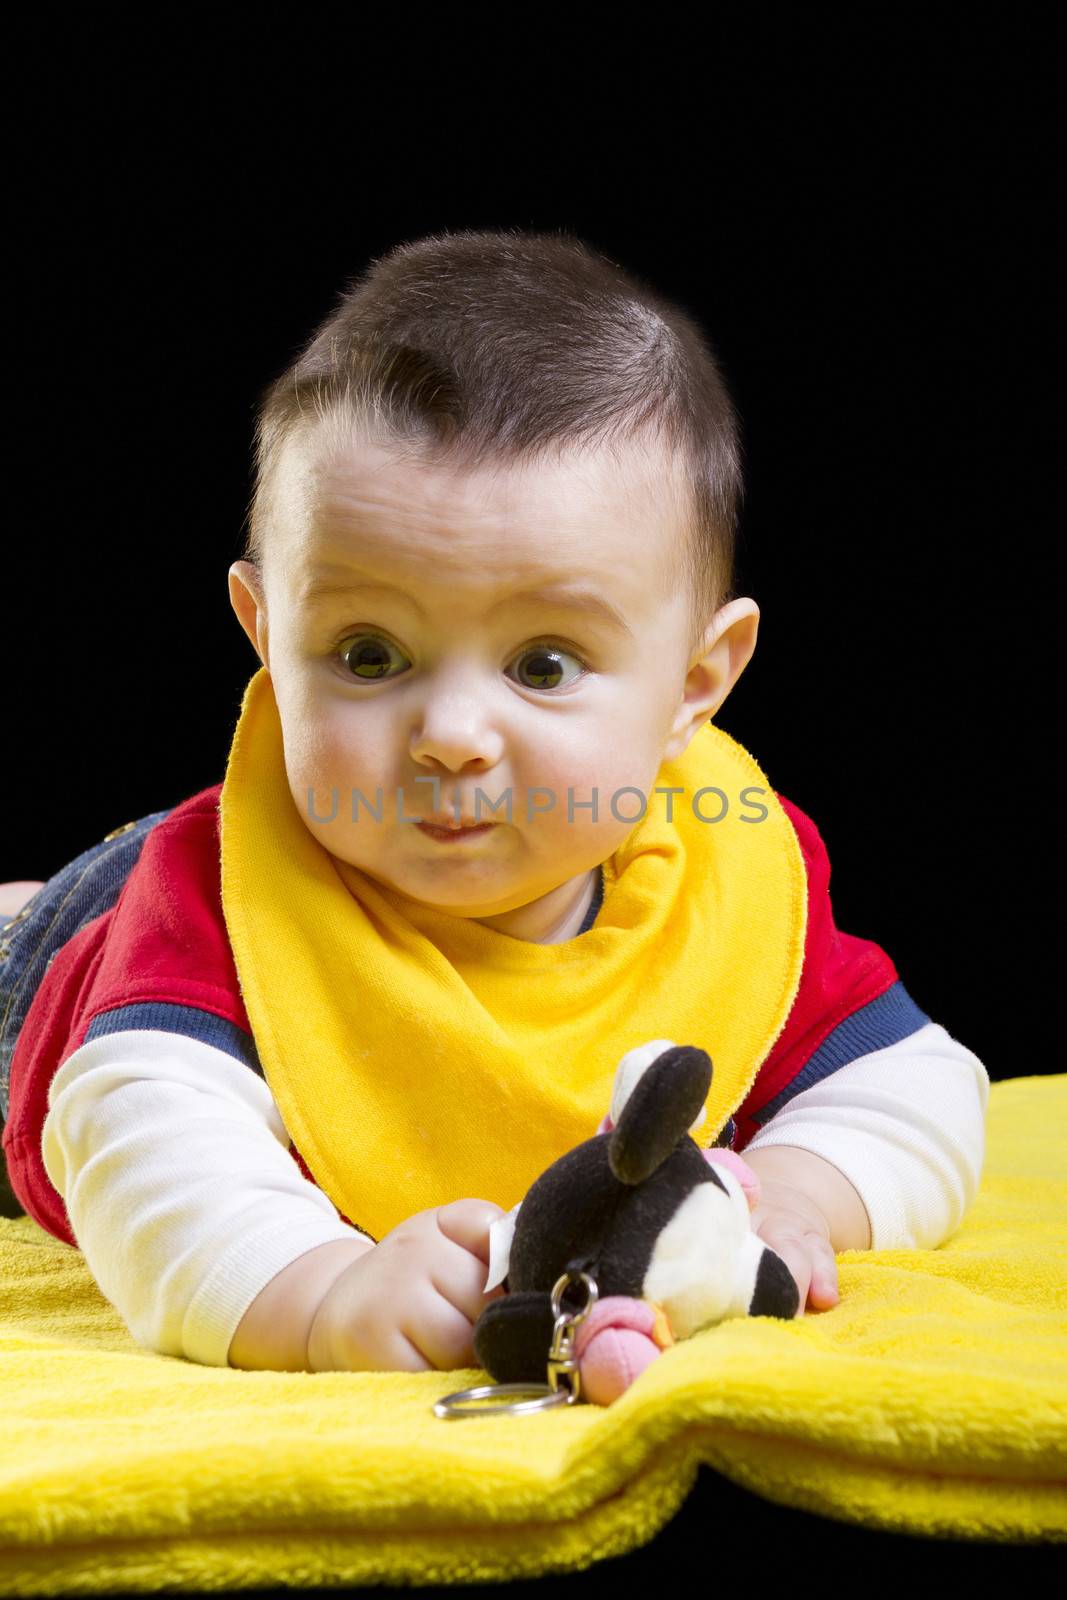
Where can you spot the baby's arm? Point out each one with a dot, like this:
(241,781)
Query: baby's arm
(175,1169)
(903,1130)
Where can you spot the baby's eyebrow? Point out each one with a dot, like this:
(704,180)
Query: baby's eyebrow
(571,597)
(568,596)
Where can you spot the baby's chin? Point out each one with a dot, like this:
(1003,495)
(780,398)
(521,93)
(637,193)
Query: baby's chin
(429,892)
(518,913)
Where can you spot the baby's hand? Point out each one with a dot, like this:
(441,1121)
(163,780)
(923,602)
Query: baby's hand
(793,1225)
(410,1303)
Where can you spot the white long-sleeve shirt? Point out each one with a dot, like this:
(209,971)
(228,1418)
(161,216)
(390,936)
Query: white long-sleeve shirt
(172,1160)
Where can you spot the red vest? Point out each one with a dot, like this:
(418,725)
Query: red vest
(164,942)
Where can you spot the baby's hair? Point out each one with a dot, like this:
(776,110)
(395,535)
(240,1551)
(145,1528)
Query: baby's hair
(498,347)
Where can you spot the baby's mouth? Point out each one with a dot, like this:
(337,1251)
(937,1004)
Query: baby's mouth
(445,819)
(451,831)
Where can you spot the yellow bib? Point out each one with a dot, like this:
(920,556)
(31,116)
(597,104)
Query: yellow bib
(417,1064)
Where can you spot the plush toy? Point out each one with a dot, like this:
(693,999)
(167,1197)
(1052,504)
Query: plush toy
(662,1227)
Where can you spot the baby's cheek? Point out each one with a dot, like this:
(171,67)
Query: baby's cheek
(343,773)
(570,777)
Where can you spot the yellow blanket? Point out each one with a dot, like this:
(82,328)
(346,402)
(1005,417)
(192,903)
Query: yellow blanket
(931,1400)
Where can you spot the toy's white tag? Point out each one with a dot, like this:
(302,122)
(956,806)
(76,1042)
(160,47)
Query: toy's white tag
(500,1236)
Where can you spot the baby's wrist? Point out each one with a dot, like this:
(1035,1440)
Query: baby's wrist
(320,1355)
(821,1186)
(273,1332)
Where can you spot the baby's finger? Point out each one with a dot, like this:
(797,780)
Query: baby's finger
(440,1332)
(823,1291)
(467,1222)
(458,1276)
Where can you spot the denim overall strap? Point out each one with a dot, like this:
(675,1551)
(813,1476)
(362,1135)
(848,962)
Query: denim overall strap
(82,890)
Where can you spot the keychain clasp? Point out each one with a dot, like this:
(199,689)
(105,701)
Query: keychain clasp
(562,1366)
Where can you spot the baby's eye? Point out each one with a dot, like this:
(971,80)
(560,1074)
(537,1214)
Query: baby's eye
(367,656)
(543,673)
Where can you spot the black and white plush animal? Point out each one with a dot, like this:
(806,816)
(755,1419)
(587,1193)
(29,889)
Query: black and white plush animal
(661,1226)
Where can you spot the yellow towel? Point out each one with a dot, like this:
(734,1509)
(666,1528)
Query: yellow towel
(932,1400)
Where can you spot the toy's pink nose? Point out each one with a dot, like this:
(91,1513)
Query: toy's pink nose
(614,1345)
(741,1170)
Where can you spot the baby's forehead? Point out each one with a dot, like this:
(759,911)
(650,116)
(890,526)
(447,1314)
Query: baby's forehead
(596,504)
(597,535)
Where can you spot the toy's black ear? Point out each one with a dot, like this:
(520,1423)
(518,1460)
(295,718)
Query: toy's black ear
(513,1336)
(663,1105)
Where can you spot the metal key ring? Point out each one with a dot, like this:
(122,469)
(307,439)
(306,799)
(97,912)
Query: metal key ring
(560,1361)
(448,1407)
(559,1289)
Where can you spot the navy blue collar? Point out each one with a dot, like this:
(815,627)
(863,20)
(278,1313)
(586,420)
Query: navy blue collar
(594,905)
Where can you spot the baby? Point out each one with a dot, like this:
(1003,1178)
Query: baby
(490,559)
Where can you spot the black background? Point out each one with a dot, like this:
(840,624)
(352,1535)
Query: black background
(859,212)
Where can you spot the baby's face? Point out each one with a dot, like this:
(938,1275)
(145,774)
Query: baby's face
(518,632)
